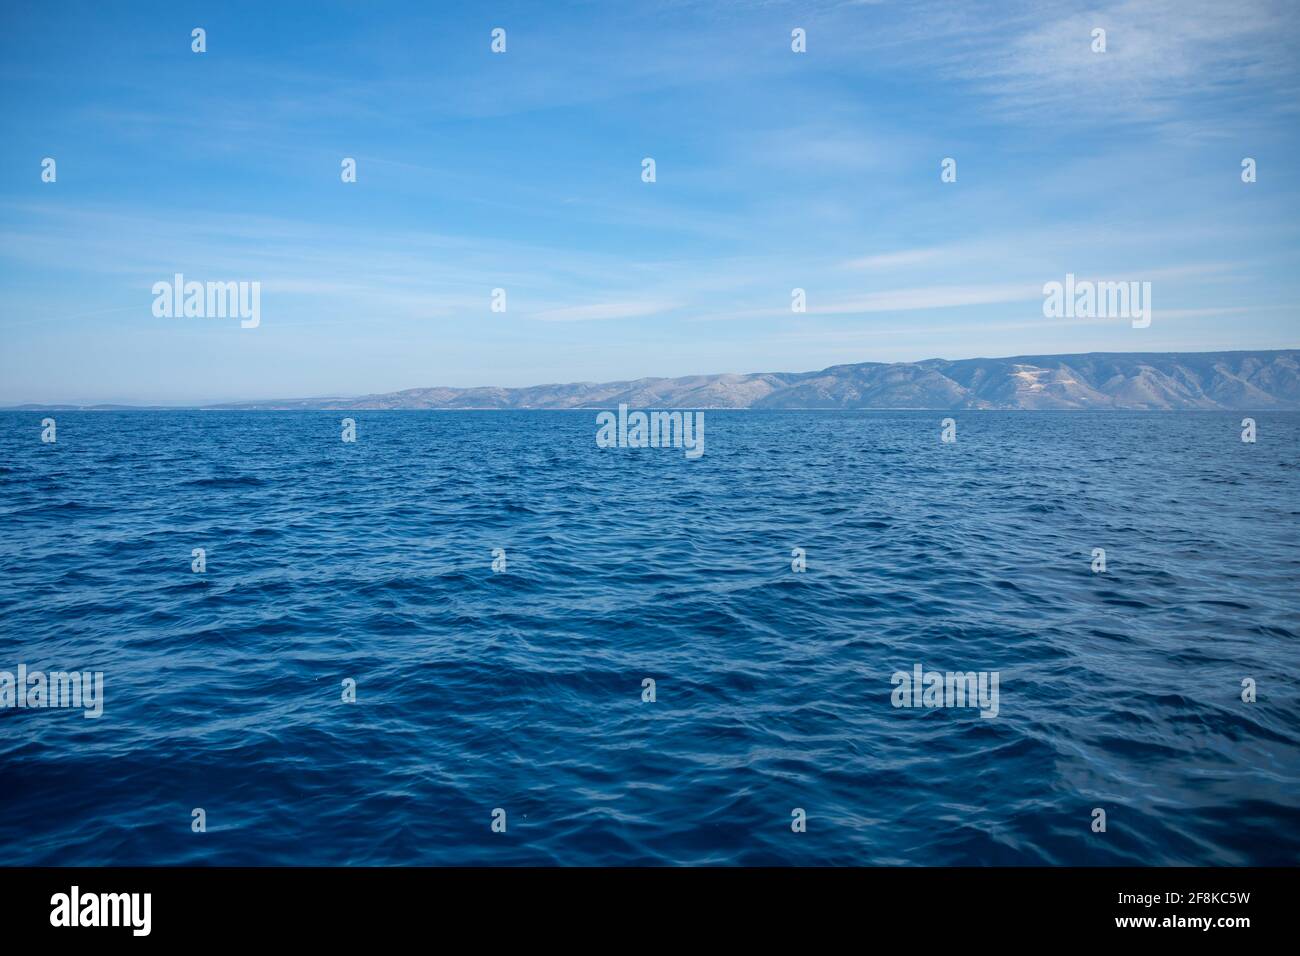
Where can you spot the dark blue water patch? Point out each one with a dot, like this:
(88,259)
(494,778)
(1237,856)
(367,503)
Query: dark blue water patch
(523,689)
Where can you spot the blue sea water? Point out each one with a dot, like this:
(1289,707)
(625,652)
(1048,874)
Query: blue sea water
(522,690)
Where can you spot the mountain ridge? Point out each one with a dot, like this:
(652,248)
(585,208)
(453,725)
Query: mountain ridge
(1095,380)
(1135,381)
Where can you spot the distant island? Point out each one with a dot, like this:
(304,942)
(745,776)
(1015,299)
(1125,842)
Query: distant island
(1163,381)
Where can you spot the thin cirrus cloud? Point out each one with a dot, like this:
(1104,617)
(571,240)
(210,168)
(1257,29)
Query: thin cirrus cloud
(939,297)
(894,260)
(631,309)
(1037,57)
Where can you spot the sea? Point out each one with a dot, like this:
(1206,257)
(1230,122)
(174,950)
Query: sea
(477,638)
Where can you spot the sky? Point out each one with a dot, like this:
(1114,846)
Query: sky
(522,171)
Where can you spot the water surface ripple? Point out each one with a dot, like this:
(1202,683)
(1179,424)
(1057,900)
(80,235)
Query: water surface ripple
(522,690)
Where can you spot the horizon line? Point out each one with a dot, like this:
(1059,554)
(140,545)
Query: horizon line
(241,404)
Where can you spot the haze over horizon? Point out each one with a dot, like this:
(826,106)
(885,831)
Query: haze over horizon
(522,171)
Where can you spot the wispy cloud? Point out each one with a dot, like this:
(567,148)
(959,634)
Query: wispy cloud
(893,260)
(604,310)
(941,297)
(1162,56)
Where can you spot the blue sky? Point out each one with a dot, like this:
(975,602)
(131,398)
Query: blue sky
(522,171)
